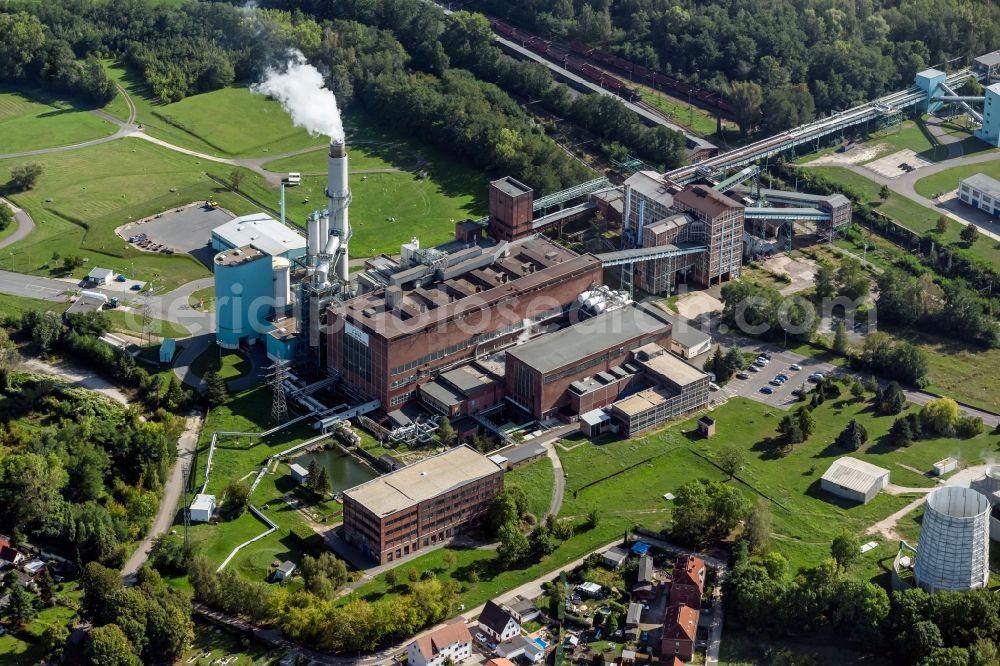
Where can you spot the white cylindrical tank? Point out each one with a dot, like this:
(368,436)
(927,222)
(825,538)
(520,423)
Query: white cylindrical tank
(315,245)
(282,269)
(324,229)
(954,549)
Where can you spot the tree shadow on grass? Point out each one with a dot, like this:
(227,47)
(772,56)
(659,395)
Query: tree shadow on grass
(770,448)
(832,450)
(882,446)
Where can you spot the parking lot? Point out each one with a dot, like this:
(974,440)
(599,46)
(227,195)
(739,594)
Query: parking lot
(187,229)
(781,362)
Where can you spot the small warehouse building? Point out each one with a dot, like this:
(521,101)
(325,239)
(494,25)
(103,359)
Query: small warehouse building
(299,473)
(687,341)
(594,423)
(202,508)
(86,303)
(854,479)
(100,276)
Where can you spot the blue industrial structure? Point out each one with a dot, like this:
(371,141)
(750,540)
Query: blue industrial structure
(244,296)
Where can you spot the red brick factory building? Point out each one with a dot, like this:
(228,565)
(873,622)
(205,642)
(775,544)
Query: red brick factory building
(439,306)
(421,504)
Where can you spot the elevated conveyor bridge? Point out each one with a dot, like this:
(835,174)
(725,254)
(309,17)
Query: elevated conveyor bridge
(740,157)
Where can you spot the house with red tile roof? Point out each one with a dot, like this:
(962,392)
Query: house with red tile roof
(688,583)
(452,641)
(680,628)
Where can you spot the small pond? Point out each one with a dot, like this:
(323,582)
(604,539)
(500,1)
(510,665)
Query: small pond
(343,470)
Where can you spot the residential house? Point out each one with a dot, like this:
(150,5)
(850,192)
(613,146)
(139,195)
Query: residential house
(452,641)
(680,628)
(9,556)
(523,610)
(524,647)
(645,582)
(499,661)
(498,623)
(688,582)
(632,621)
(614,557)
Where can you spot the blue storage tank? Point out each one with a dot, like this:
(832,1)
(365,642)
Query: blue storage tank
(244,295)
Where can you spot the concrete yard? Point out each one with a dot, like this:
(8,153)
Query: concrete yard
(802,271)
(187,229)
(890,165)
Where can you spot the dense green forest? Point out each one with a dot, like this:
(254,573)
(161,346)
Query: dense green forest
(829,54)
(184,49)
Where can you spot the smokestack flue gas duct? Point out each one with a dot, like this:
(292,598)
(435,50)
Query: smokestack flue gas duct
(338,194)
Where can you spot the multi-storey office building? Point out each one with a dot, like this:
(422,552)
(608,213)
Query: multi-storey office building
(420,505)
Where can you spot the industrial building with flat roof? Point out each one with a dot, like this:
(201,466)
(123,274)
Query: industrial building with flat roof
(421,504)
(854,479)
(262,232)
(542,372)
(439,306)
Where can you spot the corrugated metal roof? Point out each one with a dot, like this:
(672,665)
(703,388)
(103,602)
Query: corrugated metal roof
(854,474)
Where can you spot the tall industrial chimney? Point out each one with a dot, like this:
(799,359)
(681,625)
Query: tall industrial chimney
(338,193)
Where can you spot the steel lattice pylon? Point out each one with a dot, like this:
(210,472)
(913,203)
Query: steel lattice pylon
(276,376)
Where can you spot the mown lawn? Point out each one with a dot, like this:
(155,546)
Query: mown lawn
(229,364)
(83,195)
(232,122)
(32,119)
(242,458)
(907,212)
(537,481)
(946,181)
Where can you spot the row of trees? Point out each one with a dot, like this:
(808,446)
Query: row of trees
(776,61)
(918,628)
(905,299)
(149,623)
(311,616)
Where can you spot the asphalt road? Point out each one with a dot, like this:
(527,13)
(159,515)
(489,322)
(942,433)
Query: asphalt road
(32,286)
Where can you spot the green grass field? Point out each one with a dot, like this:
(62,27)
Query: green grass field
(232,122)
(908,213)
(693,117)
(238,458)
(32,119)
(83,195)
(26,646)
(946,181)
(203,299)
(536,481)
(229,364)
(956,369)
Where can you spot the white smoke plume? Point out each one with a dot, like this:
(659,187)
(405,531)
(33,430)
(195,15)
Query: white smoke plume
(302,92)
